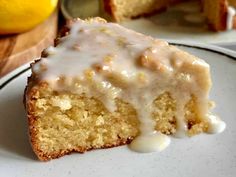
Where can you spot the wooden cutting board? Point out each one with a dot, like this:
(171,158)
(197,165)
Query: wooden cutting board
(19,49)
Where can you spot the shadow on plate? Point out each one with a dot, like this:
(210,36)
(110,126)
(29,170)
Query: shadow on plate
(13,129)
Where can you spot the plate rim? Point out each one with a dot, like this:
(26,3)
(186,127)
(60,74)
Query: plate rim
(5,80)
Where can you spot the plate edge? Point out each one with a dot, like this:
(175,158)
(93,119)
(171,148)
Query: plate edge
(13,74)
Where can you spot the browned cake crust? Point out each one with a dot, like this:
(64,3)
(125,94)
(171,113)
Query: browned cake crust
(223,13)
(221,26)
(234,22)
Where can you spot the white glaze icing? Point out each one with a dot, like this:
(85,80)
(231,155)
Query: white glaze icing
(150,143)
(107,61)
(230,15)
(216,125)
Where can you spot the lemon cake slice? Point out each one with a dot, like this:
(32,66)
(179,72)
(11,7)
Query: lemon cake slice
(219,14)
(104,86)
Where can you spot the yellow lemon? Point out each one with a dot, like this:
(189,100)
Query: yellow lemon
(17,16)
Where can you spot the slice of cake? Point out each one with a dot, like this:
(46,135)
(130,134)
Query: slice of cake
(121,10)
(104,86)
(220,14)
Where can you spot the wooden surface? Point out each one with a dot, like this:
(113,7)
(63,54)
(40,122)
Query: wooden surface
(16,50)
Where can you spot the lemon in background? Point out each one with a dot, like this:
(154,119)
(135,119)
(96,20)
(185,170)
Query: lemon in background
(18,16)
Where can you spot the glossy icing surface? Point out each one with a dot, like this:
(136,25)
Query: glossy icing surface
(107,61)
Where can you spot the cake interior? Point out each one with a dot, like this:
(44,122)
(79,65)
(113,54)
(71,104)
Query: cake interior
(128,9)
(67,122)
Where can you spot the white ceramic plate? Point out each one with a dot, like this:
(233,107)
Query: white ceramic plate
(203,155)
(154,27)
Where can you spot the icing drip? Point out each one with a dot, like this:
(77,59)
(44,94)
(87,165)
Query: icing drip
(216,125)
(230,16)
(155,141)
(107,61)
